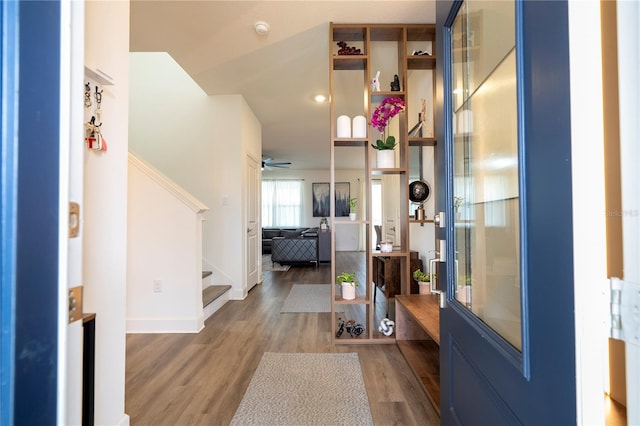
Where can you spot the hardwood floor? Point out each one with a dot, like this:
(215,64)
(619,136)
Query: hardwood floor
(200,379)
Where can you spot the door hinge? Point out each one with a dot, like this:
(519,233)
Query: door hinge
(75,304)
(624,311)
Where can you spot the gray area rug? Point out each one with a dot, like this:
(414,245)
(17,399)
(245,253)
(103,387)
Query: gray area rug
(305,389)
(268,265)
(308,298)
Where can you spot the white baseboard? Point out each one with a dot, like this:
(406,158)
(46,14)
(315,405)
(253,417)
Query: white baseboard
(238,294)
(163,325)
(124,421)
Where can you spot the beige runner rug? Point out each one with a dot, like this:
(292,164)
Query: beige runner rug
(308,298)
(306,389)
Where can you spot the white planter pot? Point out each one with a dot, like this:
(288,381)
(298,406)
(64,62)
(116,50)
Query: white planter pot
(424,287)
(352,216)
(348,291)
(464,295)
(386,158)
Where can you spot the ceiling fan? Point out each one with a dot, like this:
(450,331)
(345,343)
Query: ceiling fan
(268,163)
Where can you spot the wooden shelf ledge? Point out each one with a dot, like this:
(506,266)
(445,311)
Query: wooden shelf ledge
(421,310)
(418,338)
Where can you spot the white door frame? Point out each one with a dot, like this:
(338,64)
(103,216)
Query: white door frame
(591,303)
(71,189)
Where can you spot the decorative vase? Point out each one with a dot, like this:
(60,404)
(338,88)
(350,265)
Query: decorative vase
(359,127)
(352,216)
(348,291)
(343,127)
(385,158)
(424,287)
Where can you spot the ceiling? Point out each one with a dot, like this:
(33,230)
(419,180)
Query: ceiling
(278,73)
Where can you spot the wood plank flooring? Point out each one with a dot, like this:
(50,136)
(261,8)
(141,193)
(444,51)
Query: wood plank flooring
(200,379)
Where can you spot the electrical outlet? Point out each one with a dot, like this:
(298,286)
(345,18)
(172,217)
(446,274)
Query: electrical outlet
(157,286)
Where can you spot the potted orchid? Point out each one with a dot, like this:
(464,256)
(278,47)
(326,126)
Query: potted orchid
(388,108)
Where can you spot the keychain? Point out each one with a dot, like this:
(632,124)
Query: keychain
(94,139)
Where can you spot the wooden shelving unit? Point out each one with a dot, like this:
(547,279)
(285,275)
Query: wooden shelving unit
(386,47)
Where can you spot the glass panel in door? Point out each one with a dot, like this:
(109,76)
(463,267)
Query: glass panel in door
(485,157)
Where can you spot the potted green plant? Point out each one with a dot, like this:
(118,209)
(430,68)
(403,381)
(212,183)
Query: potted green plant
(353,202)
(347,280)
(424,281)
(382,115)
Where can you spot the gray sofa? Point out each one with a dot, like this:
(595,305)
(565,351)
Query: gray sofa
(295,247)
(269,233)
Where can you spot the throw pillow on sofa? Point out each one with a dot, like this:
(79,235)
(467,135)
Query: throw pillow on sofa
(270,233)
(291,234)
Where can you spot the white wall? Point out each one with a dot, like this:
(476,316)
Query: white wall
(201,142)
(164,280)
(105,208)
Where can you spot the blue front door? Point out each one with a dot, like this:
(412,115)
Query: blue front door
(507,349)
(30,205)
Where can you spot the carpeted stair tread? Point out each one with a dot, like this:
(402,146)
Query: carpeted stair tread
(205,274)
(211,293)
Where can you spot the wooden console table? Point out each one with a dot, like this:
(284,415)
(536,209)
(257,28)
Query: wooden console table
(418,338)
(386,276)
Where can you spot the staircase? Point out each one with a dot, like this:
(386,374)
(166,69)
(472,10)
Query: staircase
(213,296)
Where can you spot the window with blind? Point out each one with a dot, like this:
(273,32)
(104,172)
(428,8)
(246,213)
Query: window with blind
(281,202)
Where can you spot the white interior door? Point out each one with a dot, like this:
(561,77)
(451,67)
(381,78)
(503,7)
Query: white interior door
(253,222)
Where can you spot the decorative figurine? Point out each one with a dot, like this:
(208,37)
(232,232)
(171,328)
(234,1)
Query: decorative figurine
(348,50)
(375,83)
(395,84)
(386,327)
(350,326)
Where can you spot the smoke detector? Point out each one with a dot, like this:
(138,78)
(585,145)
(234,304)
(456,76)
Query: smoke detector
(261,27)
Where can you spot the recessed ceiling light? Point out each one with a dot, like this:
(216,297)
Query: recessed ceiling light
(261,27)
(320,98)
